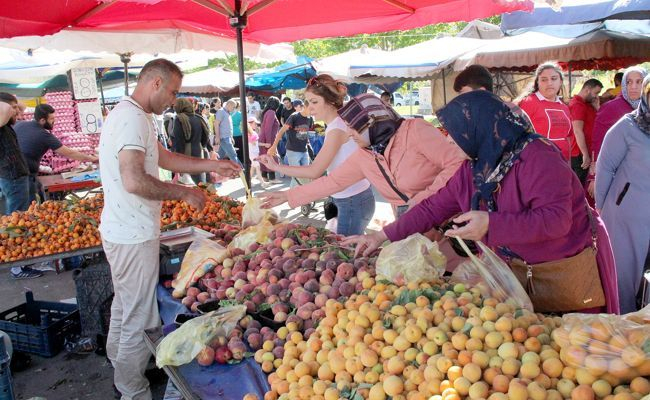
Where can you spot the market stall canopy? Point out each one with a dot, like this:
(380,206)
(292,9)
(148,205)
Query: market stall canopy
(283,77)
(269,21)
(599,49)
(576,12)
(36,66)
(478,29)
(151,42)
(417,62)
(210,81)
(338,65)
(110,79)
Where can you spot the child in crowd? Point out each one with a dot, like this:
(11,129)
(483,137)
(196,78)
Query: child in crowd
(253,149)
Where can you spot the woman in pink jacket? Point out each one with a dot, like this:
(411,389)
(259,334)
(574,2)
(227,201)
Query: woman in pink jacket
(405,160)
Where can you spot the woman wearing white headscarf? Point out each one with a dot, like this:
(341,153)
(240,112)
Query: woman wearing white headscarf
(613,110)
(623,194)
(610,112)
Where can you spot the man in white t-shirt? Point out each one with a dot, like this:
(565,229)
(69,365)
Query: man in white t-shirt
(129,156)
(253,106)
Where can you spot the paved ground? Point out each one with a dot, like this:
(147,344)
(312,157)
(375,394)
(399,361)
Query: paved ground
(71,376)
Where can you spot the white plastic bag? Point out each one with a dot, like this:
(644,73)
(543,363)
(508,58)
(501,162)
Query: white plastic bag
(182,346)
(492,276)
(413,259)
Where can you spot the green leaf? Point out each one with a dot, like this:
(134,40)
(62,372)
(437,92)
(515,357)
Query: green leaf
(458,311)
(248,354)
(466,328)
(384,281)
(232,361)
(519,313)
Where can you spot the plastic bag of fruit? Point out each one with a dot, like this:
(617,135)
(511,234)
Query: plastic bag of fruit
(259,233)
(184,344)
(253,213)
(413,259)
(201,257)
(606,346)
(492,276)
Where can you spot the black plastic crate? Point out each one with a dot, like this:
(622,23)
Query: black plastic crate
(40,327)
(94,288)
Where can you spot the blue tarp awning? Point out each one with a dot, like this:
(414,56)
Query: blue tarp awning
(576,12)
(285,76)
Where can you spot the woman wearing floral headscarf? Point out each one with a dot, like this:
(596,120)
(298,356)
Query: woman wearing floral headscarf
(512,193)
(623,194)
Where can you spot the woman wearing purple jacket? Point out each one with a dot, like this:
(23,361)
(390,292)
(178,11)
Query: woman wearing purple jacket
(537,210)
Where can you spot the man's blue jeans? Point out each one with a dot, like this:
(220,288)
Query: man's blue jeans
(297,159)
(16,194)
(227,150)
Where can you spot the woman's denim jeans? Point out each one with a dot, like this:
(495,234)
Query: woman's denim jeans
(355,212)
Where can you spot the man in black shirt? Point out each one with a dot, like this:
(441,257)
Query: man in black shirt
(297,127)
(14,174)
(35,139)
(285,112)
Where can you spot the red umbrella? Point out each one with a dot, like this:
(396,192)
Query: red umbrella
(266,21)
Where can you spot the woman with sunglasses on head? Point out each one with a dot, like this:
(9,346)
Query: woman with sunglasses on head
(512,194)
(354,201)
(406,160)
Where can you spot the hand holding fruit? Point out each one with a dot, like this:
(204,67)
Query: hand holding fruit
(273,199)
(476,227)
(272,151)
(227,168)
(194,197)
(269,162)
(365,244)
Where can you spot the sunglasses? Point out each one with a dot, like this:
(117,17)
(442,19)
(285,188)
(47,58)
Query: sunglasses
(313,81)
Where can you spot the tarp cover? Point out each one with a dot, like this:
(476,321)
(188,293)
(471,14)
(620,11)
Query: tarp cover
(285,76)
(577,12)
(598,49)
(210,81)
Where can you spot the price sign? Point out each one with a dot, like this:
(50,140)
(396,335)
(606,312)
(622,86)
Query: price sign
(84,83)
(90,117)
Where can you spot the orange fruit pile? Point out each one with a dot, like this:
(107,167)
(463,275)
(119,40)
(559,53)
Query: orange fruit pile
(55,227)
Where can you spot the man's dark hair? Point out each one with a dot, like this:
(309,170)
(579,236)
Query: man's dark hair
(8,97)
(476,77)
(160,66)
(42,111)
(618,77)
(286,98)
(592,83)
(385,93)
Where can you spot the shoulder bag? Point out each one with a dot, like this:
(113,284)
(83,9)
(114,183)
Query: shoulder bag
(564,285)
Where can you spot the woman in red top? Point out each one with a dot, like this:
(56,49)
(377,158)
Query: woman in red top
(551,118)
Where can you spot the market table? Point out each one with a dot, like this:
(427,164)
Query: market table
(52,257)
(207,383)
(57,183)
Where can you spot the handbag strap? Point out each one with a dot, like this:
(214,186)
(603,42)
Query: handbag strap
(592,225)
(401,195)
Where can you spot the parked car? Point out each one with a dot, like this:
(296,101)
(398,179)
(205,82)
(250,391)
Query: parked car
(412,98)
(399,100)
